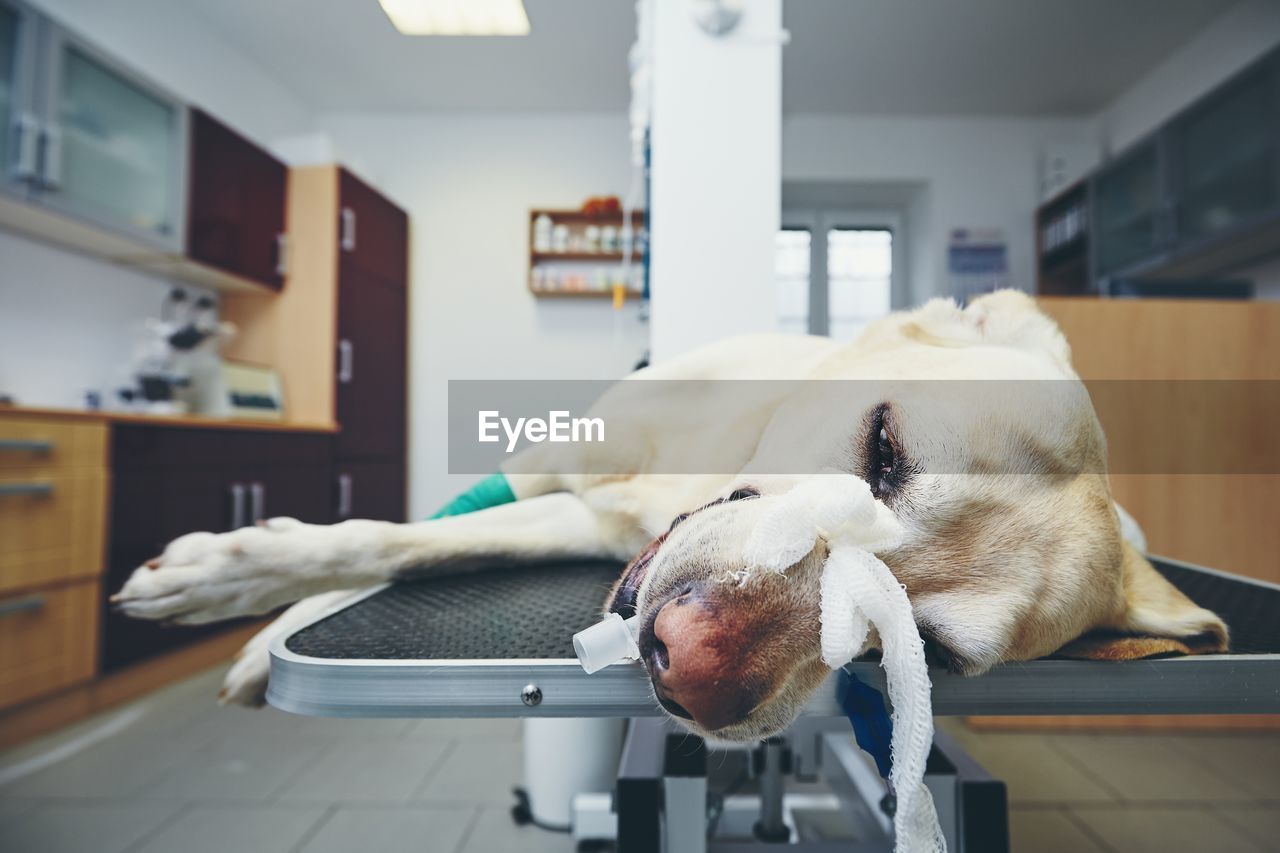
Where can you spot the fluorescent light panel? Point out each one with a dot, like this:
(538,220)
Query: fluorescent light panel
(458,17)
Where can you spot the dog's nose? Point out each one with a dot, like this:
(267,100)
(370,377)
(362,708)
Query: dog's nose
(695,664)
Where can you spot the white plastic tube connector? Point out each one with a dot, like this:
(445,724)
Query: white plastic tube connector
(609,641)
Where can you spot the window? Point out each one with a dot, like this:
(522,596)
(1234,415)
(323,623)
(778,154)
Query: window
(859,279)
(834,272)
(792,267)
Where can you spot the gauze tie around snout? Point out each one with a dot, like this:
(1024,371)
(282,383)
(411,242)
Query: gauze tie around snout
(858,593)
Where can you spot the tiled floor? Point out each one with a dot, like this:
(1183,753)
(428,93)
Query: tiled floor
(186,776)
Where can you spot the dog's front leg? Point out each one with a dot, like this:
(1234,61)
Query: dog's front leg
(205,577)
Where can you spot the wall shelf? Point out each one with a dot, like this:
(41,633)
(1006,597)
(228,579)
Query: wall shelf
(581,269)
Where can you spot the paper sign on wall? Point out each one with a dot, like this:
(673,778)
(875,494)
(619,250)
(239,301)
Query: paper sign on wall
(977,262)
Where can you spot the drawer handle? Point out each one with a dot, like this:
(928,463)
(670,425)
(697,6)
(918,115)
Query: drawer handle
(344,495)
(27,604)
(237,506)
(346,361)
(15,490)
(348,239)
(25,445)
(257,502)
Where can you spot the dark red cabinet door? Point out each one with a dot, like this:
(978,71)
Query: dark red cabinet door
(373,351)
(236,209)
(370,490)
(169,482)
(373,269)
(373,233)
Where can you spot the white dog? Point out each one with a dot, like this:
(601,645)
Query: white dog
(998,566)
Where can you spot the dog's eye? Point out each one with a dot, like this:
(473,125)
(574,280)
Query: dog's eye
(885,470)
(676,522)
(743,494)
(884,453)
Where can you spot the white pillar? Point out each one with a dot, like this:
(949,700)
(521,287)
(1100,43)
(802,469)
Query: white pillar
(715,175)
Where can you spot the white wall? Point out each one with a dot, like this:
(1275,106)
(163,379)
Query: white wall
(468,183)
(1242,34)
(973,173)
(66,320)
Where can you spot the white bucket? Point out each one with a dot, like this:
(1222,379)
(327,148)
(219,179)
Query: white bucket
(564,757)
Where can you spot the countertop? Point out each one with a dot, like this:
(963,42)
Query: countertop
(190,421)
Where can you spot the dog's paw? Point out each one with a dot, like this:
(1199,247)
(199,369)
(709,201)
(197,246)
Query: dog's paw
(246,682)
(204,577)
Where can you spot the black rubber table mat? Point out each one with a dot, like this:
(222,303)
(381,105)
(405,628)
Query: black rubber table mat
(1251,611)
(511,614)
(532,614)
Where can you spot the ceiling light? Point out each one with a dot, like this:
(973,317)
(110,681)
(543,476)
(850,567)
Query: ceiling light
(458,17)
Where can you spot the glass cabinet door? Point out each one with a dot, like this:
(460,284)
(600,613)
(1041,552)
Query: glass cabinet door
(8,83)
(1227,158)
(1128,202)
(114,148)
(19,138)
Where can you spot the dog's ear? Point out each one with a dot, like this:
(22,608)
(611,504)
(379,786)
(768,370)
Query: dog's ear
(1157,620)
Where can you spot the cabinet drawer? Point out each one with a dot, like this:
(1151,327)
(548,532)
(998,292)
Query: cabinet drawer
(52,524)
(137,447)
(27,443)
(48,640)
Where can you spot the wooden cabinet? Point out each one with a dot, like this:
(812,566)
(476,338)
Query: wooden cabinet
(370,489)
(373,233)
(1225,157)
(338,334)
(53,483)
(370,377)
(236,204)
(171,481)
(1132,208)
(48,640)
(1200,197)
(372,362)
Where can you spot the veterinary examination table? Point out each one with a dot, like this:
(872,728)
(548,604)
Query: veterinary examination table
(498,644)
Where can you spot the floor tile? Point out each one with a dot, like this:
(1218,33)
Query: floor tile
(478,728)
(1047,830)
(476,772)
(1248,762)
(250,770)
(1148,768)
(421,829)
(368,770)
(1164,830)
(119,767)
(1033,771)
(93,828)
(495,830)
(218,829)
(1261,823)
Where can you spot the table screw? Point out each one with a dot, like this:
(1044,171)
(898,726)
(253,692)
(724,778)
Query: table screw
(531,695)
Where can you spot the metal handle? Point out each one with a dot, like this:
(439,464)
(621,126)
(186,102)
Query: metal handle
(25,445)
(26,604)
(257,502)
(51,161)
(282,255)
(27,130)
(346,361)
(348,230)
(13,490)
(344,495)
(237,506)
